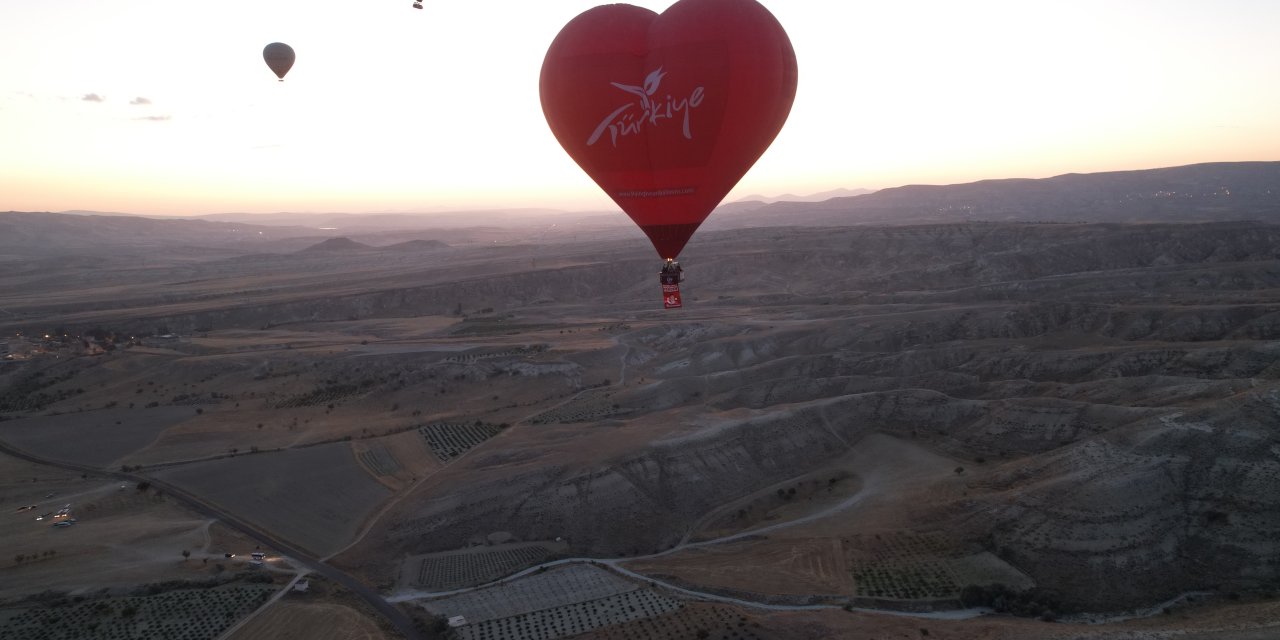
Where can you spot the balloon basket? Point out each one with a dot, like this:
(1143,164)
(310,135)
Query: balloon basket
(670,291)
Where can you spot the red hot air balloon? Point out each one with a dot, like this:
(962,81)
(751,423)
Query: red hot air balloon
(666,112)
(279,57)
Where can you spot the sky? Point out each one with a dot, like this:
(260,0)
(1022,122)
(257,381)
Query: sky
(162,107)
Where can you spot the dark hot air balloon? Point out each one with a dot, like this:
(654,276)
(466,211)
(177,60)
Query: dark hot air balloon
(666,112)
(279,57)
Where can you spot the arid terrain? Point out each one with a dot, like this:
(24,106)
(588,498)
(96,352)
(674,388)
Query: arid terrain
(950,427)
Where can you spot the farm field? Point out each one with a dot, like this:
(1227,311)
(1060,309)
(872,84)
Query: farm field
(299,620)
(689,621)
(315,497)
(180,614)
(573,618)
(799,567)
(560,602)
(314,606)
(448,441)
(471,567)
(95,438)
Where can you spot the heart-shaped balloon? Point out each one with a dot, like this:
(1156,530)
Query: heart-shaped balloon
(666,112)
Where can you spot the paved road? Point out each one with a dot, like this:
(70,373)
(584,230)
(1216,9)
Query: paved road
(395,616)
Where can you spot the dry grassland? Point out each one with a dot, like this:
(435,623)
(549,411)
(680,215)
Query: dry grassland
(98,438)
(793,567)
(291,619)
(122,537)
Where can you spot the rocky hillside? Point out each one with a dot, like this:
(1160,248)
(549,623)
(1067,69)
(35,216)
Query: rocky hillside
(1193,193)
(1110,390)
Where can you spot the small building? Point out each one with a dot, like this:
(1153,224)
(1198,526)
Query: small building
(302,585)
(458,621)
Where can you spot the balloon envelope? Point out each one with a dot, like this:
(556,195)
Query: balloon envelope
(279,57)
(666,112)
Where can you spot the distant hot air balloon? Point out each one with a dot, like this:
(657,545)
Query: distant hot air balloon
(666,112)
(279,57)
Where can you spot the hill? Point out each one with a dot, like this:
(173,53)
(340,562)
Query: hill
(337,245)
(417,245)
(1192,193)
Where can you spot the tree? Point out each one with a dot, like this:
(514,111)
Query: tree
(186,553)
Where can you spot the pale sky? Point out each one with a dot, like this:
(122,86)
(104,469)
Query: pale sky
(165,107)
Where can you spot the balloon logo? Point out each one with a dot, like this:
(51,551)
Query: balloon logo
(279,58)
(666,112)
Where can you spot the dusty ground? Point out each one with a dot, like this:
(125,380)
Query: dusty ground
(302,620)
(122,537)
(323,610)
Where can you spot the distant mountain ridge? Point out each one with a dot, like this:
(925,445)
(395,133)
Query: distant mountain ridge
(1193,193)
(1211,192)
(813,197)
(337,245)
(344,244)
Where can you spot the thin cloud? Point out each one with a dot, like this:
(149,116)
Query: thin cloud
(93,97)
(139,100)
(155,118)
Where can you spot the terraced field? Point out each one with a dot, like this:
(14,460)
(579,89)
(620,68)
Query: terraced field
(595,404)
(574,619)
(720,623)
(562,602)
(465,569)
(450,440)
(903,567)
(469,358)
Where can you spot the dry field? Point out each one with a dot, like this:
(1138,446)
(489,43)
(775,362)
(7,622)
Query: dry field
(315,496)
(561,602)
(797,567)
(474,566)
(122,537)
(301,620)
(813,493)
(180,614)
(97,438)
